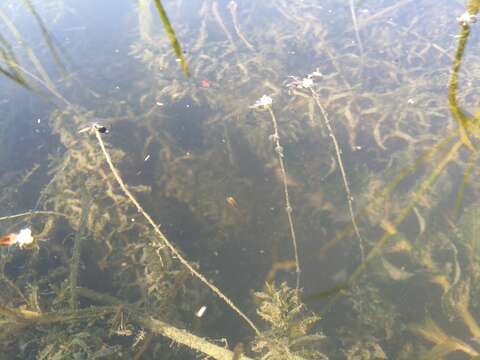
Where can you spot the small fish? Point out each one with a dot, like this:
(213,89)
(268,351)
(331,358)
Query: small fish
(8,240)
(233,203)
(22,239)
(240,213)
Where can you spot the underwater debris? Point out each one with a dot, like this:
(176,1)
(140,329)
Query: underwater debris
(23,239)
(201,311)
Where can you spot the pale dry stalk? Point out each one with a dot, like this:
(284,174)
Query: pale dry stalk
(288,207)
(355,26)
(164,239)
(338,153)
(32,213)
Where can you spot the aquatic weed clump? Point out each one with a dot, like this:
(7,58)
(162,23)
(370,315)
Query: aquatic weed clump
(289,335)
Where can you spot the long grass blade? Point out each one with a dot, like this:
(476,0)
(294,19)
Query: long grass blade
(46,35)
(171,35)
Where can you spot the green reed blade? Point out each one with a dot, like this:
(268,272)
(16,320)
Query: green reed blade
(171,35)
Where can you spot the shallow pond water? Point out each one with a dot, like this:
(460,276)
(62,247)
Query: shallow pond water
(280,179)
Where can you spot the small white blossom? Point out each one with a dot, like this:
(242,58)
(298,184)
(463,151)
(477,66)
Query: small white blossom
(466,19)
(316,73)
(264,102)
(24,238)
(279,150)
(273,137)
(307,83)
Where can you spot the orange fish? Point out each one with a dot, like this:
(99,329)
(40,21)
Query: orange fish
(233,203)
(8,240)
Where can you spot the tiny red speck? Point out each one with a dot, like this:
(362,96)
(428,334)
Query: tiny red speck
(205,83)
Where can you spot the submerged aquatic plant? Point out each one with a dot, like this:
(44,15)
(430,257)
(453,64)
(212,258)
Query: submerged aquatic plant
(164,239)
(290,333)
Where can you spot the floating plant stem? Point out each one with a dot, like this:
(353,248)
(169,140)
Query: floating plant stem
(9,57)
(171,36)
(232,6)
(390,227)
(32,213)
(75,262)
(218,18)
(288,207)
(384,12)
(33,58)
(455,109)
(14,77)
(445,344)
(466,177)
(355,25)
(338,153)
(165,240)
(185,338)
(46,35)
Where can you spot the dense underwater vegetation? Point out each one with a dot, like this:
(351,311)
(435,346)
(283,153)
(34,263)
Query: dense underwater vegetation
(239,180)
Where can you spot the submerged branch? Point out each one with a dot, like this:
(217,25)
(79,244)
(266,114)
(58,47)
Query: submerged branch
(187,339)
(165,240)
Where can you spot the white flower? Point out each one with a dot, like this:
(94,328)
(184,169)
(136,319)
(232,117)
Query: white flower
(316,73)
(264,102)
(24,238)
(466,19)
(307,83)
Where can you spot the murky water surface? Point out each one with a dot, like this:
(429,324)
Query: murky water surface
(280,179)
